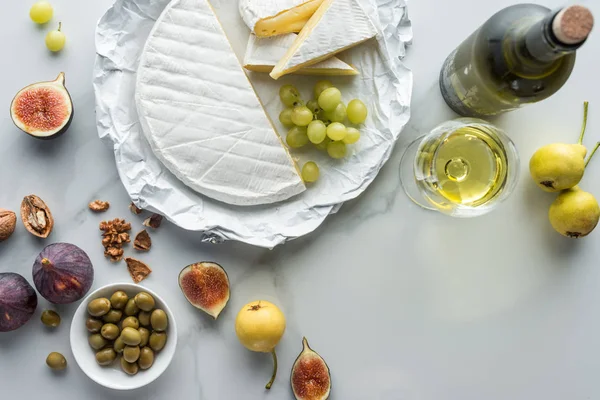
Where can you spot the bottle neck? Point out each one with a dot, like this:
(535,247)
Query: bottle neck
(541,44)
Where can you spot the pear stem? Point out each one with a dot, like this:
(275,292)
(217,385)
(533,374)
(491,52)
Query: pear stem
(274,370)
(585,116)
(592,154)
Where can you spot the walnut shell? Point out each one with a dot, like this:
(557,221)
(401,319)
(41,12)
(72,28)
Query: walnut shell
(36,216)
(8,222)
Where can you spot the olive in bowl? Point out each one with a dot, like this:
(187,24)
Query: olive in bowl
(129,356)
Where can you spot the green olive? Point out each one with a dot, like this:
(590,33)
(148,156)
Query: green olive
(119,299)
(56,361)
(157,340)
(131,337)
(131,353)
(50,318)
(159,320)
(110,331)
(129,368)
(146,358)
(99,307)
(97,341)
(145,334)
(131,322)
(106,356)
(93,325)
(144,318)
(144,301)
(113,316)
(131,308)
(119,345)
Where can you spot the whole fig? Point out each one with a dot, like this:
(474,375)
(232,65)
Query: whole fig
(18,301)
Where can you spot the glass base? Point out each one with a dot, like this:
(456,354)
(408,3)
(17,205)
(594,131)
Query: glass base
(407,175)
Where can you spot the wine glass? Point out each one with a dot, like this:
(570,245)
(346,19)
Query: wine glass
(464,168)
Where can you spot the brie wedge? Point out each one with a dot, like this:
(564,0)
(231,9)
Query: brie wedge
(201,115)
(263,53)
(336,26)
(276,17)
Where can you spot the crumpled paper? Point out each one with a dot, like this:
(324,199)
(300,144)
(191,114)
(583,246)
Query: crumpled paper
(384,84)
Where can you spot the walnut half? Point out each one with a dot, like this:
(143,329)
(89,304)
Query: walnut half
(36,216)
(99,205)
(115,236)
(142,241)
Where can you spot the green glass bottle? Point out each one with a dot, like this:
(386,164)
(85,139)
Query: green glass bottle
(522,54)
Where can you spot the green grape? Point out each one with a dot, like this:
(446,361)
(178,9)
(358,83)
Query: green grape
(310,172)
(330,98)
(41,12)
(323,144)
(336,149)
(352,135)
(296,137)
(285,117)
(301,116)
(357,111)
(320,86)
(316,131)
(289,95)
(313,106)
(55,40)
(338,114)
(336,131)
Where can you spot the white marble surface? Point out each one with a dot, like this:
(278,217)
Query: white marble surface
(403,304)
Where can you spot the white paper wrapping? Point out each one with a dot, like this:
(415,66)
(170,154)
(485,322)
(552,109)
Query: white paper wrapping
(385,85)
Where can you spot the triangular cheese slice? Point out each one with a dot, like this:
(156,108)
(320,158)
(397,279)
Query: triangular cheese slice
(201,115)
(336,26)
(263,53)
(276,17)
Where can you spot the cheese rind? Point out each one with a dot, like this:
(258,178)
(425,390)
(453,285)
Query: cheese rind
(276,17)
(263,53)
(201,115)
(336,26)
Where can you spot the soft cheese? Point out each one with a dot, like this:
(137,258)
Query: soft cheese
(263,53)
(277,17)
(201,115)
(336,26)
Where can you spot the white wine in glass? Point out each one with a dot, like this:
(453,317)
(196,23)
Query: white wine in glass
(464,168)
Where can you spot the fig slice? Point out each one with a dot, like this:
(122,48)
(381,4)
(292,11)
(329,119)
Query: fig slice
(310,378)
(43,110)
(206,286)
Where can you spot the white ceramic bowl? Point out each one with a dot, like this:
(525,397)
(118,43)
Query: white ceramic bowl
(112,376)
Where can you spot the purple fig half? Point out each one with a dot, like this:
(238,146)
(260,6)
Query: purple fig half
(43,110)
(310,378)
(206,286)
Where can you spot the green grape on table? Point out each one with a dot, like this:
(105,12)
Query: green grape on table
(310,172)
(336,149)
(313,106)
(285,117)
(330,98)
(301,116)
(296,137)
(320,86)
(316,131)
(289,95)
(41,12)
(55,40)
(352,135)
(336,131)
(323,144)
(357,111)
(338,114)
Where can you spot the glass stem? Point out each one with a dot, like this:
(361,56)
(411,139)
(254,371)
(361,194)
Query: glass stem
(585,115)
(274,370)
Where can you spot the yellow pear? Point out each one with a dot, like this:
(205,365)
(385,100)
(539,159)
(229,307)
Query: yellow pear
(560,166)
(574,213)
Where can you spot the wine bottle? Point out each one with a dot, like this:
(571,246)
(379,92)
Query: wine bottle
(522,54)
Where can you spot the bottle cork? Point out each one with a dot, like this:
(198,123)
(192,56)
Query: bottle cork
(573,24)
